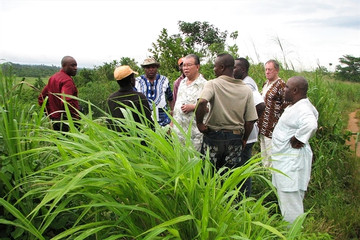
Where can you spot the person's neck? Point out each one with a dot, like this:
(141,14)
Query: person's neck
(126,87)
(273,80)
(151,79)
(193,78)
(295,100)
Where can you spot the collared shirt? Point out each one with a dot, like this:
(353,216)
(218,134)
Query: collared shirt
(299,120)
(59,83)
(274,99)
(188,94)
(231,103)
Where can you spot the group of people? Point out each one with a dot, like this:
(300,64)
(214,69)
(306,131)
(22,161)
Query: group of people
(224,116)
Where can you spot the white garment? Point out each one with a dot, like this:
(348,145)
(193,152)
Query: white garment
(265,145)
(188,94)
(291,204)
(299,120)
(250,82)
(253,137)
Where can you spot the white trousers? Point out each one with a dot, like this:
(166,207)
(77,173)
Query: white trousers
(291,204)
(265,145)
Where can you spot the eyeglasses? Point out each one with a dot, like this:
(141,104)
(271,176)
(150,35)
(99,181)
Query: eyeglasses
(188,65)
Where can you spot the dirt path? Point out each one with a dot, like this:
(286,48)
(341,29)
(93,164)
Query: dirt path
(353,127)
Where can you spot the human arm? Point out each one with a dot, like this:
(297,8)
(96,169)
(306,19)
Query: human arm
(260,109)
(306,124)
(43,95)
(68,88)
(295,143)
(248,126)
(170,98)
(199,115)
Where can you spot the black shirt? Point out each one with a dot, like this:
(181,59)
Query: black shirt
(129,97)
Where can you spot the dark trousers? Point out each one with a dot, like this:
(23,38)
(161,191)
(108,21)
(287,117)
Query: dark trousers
(245,156)
(59,125)
(224,148)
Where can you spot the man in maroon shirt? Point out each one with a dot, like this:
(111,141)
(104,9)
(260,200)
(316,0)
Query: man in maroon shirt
(61,83)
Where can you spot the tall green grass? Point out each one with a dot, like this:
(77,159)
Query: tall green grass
(334,190)
(94,183)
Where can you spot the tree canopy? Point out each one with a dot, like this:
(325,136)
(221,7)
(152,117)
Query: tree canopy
(349,69)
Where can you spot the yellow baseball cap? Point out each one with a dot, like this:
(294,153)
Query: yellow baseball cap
(122,72)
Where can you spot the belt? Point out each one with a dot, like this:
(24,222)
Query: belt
(236,132)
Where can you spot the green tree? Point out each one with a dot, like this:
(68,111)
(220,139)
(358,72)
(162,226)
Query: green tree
(200,38)
(349,69)
(167,50)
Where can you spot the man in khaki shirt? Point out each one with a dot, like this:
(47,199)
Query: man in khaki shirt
(231,117)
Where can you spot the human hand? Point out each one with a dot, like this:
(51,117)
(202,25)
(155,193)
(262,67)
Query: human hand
(202,127)
(296,143)
(186,108)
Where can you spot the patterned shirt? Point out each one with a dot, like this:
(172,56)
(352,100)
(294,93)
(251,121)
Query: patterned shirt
(188,94)
(274,106)
(158,92)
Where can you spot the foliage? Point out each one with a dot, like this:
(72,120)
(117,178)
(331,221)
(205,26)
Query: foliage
(99,184)
(16,121)
(22,70)
(200,38)
(95,183)
(334,188)
(349,69)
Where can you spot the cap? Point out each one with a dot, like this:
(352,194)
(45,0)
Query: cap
(180,61)
(122,72)
(150,61)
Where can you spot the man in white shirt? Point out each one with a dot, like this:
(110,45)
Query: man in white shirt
(241,70)
(291,151)
(188,93)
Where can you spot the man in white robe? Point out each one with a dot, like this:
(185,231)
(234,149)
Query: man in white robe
(291,152)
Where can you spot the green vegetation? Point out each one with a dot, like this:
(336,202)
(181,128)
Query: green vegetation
(33,71)
(349,69)
(95,183)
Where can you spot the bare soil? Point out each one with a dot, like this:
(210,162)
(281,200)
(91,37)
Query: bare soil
(354,128)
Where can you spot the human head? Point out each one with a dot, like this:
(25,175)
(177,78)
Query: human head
(224,65)
(69,65)
(241,68)
(191,66)
(124,75)
(150,66)
(272,68)
(296,89)
(180,64)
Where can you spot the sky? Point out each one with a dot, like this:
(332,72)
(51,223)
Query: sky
(312,33)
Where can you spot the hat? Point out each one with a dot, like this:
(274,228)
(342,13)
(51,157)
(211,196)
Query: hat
(122,72)
(150,61)
(180,61)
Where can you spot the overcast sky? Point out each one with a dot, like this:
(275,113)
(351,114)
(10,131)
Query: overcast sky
(311,32)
